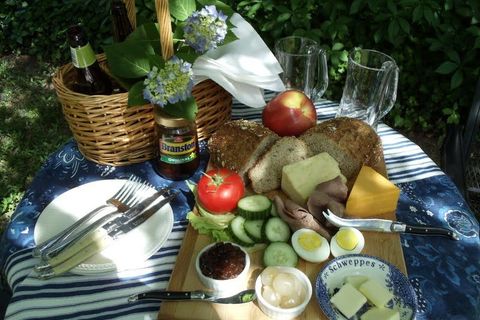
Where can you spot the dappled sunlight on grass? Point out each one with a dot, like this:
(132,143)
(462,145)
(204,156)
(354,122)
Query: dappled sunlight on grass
(31,125)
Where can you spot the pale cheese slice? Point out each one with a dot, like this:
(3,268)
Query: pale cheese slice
(375,293)
(380,313)
(356,280)
(348,300)
(299,179)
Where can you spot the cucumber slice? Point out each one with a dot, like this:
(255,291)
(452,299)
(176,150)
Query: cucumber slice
(253,228)
(276,230)
(254,207)
(239,235)
(280,254)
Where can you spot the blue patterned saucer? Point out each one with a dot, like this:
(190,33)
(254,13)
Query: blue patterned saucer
(332,276)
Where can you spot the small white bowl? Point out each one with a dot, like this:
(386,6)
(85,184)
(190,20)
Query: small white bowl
(224,288)
(278,313)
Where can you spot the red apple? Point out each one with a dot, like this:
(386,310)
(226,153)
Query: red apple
(290,113)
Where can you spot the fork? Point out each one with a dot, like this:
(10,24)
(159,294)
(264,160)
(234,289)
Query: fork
(123,199)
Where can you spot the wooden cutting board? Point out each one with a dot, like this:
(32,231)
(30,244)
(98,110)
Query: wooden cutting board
(384,245)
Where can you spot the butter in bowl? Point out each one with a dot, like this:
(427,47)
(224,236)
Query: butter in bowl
(223,267)
(283,292)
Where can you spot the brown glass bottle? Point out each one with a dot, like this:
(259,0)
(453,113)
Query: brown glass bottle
(177,147)
(120,23)
(90,79)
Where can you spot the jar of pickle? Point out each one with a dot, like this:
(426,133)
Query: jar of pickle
(176,155)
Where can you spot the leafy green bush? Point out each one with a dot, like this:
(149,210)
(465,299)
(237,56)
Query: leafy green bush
(435,43)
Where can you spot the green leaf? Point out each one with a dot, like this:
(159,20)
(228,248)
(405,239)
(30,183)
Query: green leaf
(404,25)
(146,35)
(221,6)
(337,46)
(181,10)
(187,53)
(156,60)
(356,6)
(229,37)
(135,95)
(454,56)
(284,17)
(392,6)
(446,67)
(428,14)
(183,109)
(457,79)
(393,28)
(128,59)
(417,14)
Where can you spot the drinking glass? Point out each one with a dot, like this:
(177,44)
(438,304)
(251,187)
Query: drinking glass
(304,65)
(371,86)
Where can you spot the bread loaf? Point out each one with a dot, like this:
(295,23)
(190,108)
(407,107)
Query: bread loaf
(351,142)
(266,174)
(238,144)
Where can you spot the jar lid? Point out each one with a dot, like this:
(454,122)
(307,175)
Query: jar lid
(170,121)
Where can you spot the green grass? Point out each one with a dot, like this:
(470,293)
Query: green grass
(31,125)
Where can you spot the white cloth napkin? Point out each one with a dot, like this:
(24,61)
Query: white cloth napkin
(243,67)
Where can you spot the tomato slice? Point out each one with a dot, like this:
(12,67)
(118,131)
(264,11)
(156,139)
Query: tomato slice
(219,190)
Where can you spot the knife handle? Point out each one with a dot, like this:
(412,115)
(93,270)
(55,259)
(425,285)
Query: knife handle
(80,256)
(431,231)
(92,237)
(168,295)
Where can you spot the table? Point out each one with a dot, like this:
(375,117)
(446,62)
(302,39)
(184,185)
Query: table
(445,274)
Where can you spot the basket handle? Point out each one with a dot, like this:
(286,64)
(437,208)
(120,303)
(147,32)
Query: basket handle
(164,24)
(131,12)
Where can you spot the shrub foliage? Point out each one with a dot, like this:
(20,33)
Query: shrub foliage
(435,42)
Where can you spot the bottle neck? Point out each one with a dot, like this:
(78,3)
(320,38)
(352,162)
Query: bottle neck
(83,57)
(121,24)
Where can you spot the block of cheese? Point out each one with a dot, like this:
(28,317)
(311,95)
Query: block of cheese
(380,313)
(299,179)
(356,280)
(348,300)
(375,293)
(372,194)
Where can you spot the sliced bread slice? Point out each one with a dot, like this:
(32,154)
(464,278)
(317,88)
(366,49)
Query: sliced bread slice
(350,141)
(266,174)
(238,144)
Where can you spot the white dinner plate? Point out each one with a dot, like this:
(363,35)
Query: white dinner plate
(127,251)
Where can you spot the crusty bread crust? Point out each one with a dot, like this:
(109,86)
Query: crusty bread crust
(238,144)
(350,141)
(266,174)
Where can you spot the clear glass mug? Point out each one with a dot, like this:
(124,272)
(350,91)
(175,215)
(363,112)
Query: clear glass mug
(304,65)
(370,87)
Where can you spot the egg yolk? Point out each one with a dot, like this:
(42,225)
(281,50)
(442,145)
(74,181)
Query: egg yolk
(347,239)
(310,241)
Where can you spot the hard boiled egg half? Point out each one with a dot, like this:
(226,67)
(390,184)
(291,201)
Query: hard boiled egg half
(310,245)
(347,240)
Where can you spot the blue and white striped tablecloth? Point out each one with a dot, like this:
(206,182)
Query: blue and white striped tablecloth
(445,274)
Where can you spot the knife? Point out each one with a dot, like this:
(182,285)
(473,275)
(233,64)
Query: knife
(95,242)
(241,297)
(90,233)
(383,225)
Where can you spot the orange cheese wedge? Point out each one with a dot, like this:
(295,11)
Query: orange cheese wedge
(372,194)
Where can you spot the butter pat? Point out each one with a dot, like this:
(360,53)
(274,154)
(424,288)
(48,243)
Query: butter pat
(380,313)
(348,300)
(356,281)
(375,293)
(299,179)
(372,194)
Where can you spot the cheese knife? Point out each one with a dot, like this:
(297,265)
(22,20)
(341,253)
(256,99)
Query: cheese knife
(95,242)
(383,225)
(241,297)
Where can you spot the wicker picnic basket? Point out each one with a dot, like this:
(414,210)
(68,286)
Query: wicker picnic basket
(107,131)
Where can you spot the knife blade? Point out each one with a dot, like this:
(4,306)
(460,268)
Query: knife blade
(95,242)
(241,297)
(383,225)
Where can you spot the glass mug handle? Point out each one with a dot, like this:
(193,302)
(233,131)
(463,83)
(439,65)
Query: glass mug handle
(387,89)
(322,75)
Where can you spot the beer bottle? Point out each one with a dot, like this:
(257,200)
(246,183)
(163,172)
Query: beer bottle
(121,25)
(90,78)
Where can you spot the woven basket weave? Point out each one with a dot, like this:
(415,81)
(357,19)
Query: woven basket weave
(107,131)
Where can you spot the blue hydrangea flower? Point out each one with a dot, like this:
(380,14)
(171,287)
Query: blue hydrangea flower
(171,84)
(205,29)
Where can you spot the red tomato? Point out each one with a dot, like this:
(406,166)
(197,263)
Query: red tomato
(219,190)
